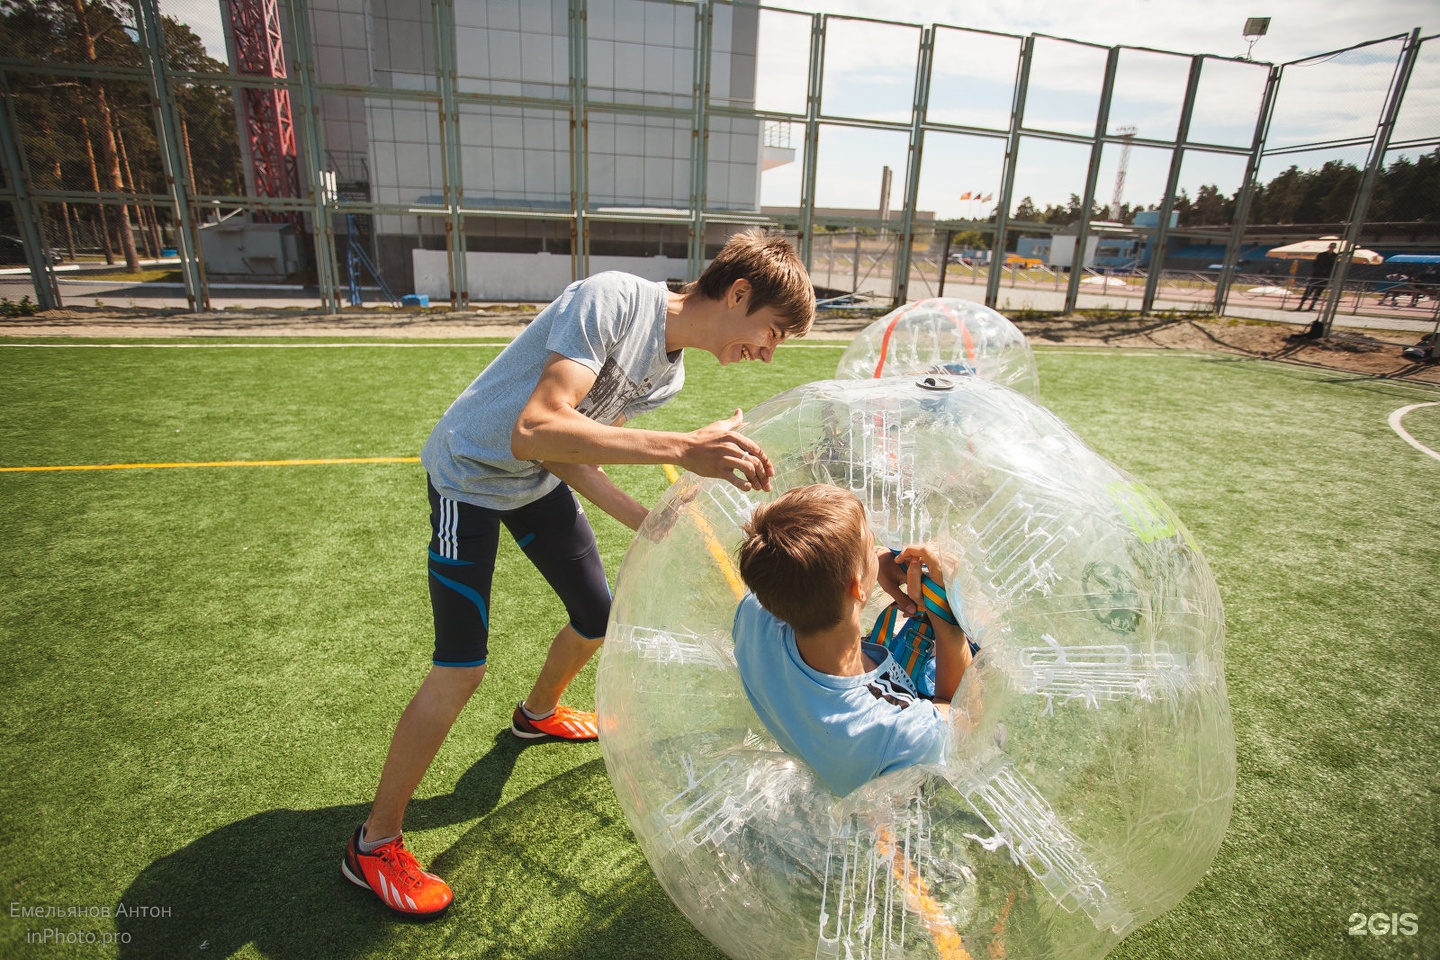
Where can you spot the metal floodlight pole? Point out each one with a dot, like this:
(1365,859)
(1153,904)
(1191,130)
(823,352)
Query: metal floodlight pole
(452,175)
(1167,205)
(1404,67)
(42,275)
(812,141)
(700,137)
(312,139)
(579,142)
(172,152)
(1092,176)
(919,108)
(1247,191)
(1007,177)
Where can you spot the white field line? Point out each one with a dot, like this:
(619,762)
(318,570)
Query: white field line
(1399,415)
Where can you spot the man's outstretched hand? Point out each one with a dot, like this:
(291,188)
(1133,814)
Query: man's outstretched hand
(718,450)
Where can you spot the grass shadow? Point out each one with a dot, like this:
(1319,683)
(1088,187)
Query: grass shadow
(553,873)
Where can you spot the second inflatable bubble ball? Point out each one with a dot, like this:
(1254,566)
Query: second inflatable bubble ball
(947,336)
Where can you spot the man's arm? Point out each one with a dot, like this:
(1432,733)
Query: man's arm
(550,428)
(591,482)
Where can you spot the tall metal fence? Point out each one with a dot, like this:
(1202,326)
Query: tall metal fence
(200,153)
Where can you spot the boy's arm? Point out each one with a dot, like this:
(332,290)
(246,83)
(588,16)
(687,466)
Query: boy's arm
(952,658)
(891,578)
(550,428)
(952,646)
(591,482)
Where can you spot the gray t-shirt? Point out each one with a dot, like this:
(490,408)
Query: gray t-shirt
(613,323)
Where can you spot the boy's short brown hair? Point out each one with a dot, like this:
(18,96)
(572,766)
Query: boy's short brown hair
(800,553)
(777,278)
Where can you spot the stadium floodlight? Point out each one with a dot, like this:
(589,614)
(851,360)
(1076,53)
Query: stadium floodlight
(1255,28)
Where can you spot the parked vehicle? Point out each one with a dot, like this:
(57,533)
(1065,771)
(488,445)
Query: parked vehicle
(12,252)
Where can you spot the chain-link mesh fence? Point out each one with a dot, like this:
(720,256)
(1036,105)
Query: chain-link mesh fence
(339,151)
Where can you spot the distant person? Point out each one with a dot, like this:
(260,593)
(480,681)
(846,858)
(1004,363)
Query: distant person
(1399,284)
(537,422)
(1426,285)
(829,695)
(1320,270)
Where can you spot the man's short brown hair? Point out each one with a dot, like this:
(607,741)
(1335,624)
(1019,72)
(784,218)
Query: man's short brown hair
(777,278)
(800,553)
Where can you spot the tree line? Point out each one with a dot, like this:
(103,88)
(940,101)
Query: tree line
(88,135)
(1405,191)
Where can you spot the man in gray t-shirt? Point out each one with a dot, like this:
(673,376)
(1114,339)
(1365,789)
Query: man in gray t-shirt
(535,425)
(612,324)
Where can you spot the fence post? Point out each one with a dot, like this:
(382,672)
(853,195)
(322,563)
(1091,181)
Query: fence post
(918,108)
(1082,237)
(812,142)
(452,175)
(1007,177)
(312,134)
(1373,165)
(172,154)
(700,137)
(47,291)
(579,141)
(1162,229)
(1247,191)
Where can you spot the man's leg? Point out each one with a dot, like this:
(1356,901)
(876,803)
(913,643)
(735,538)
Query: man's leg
(423,727)
(569,652)
(461,565)
(557,538)
(376,857)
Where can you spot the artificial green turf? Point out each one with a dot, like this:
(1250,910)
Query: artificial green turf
(202,667)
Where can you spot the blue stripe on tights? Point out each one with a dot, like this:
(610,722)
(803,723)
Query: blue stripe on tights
(469,593)
(447,560)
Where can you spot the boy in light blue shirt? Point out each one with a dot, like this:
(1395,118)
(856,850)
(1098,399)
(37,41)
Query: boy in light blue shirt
(828,695)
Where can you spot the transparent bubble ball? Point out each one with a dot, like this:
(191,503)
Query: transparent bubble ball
(1091,767)
(947,336)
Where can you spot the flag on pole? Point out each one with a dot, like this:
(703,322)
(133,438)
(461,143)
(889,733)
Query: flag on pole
(987,198)
(965,196)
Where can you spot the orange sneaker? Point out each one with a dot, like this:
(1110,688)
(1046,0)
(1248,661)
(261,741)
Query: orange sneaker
(566,723)
(396,877)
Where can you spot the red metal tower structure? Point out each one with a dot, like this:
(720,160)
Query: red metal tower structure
(260,52)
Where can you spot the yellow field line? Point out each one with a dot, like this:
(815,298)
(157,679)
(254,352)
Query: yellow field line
(945,937)
(212,463)
(712,542)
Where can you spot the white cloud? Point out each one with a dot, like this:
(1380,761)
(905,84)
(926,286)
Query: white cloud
(1331,99)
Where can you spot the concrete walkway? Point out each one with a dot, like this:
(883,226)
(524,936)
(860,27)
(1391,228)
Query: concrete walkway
(1118,293)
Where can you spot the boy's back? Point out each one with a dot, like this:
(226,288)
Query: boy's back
(849,729)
